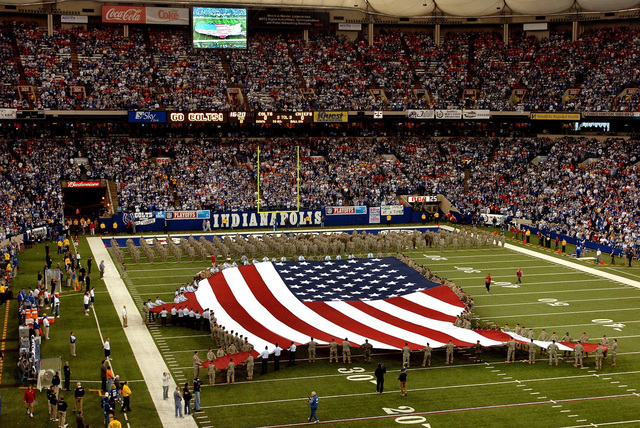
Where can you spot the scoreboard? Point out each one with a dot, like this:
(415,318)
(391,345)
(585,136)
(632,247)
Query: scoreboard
(259,117)
(293,118)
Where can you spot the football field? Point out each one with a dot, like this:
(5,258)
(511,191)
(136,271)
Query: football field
(557,293)
(491,393)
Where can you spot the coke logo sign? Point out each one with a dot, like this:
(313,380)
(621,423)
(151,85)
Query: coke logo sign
(123,14)
(168,14)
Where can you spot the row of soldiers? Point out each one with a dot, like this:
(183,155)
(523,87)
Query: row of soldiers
(579,352)
(310,244)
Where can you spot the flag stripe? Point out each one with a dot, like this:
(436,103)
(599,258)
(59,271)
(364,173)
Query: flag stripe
(207,298)
(443,294)
(259,288)
(459,336)
(232,306)
(279,289)
(380,324)
(418,304)
(253,304)
(327,311)
(435,338)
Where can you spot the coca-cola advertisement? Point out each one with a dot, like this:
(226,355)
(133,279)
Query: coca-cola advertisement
(124,14)
(167,15)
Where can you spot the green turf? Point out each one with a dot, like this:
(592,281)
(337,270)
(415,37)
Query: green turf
(86,365)
(489,394)
(441,392)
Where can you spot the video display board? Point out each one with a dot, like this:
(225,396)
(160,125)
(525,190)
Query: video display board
(219,28)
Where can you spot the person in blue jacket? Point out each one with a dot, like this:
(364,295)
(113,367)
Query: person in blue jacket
(313,404)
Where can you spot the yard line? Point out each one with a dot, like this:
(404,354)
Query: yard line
(566,301)
(449,257)
(156,283)
(566,313)
(599,424)
(432,388)
(191,268)
(578,325)
(463,409)
(545,292)
(185,337)
(172,284)
(511,276)
(476,263)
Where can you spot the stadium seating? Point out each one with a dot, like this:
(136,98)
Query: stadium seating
(585,188)
(155,69)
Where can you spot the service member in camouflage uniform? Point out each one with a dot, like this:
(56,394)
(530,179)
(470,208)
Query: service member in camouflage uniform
(346,352)
(449,353)
(614,351)
(578,352)
(511,351)
(366,350)
(553,352)
(427,355)
(333,350)
(532,352)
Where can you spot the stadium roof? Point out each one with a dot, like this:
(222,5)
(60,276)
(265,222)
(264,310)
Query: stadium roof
(415,8)
(409,8)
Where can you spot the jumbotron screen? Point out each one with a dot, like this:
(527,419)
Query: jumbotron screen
(219,28)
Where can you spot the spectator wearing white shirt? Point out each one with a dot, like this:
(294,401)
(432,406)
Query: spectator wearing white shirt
(276,357)
(292,354)
(124,316)
(86,299)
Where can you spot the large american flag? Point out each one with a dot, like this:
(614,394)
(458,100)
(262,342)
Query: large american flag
(218,30)
(382,300)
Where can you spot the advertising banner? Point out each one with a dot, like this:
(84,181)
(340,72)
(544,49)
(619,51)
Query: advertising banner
(290,19)
(421,114)
(345,210)
(167,16)
(429,198)
(476,114)
(374,215)
(8,113)
(448,114)
(139,219)
(386,210)
(330,116)
(349,27)
(74,19)
(124,14)
(147,116)
(488,219)
(83,184)
(186,215)
(555,116)
(602,114)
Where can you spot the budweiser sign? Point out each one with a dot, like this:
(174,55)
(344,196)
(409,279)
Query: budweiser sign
(124,14)
(83,184)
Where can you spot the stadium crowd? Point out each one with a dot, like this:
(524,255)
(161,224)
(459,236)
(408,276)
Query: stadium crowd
(98,68)
(582,187)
